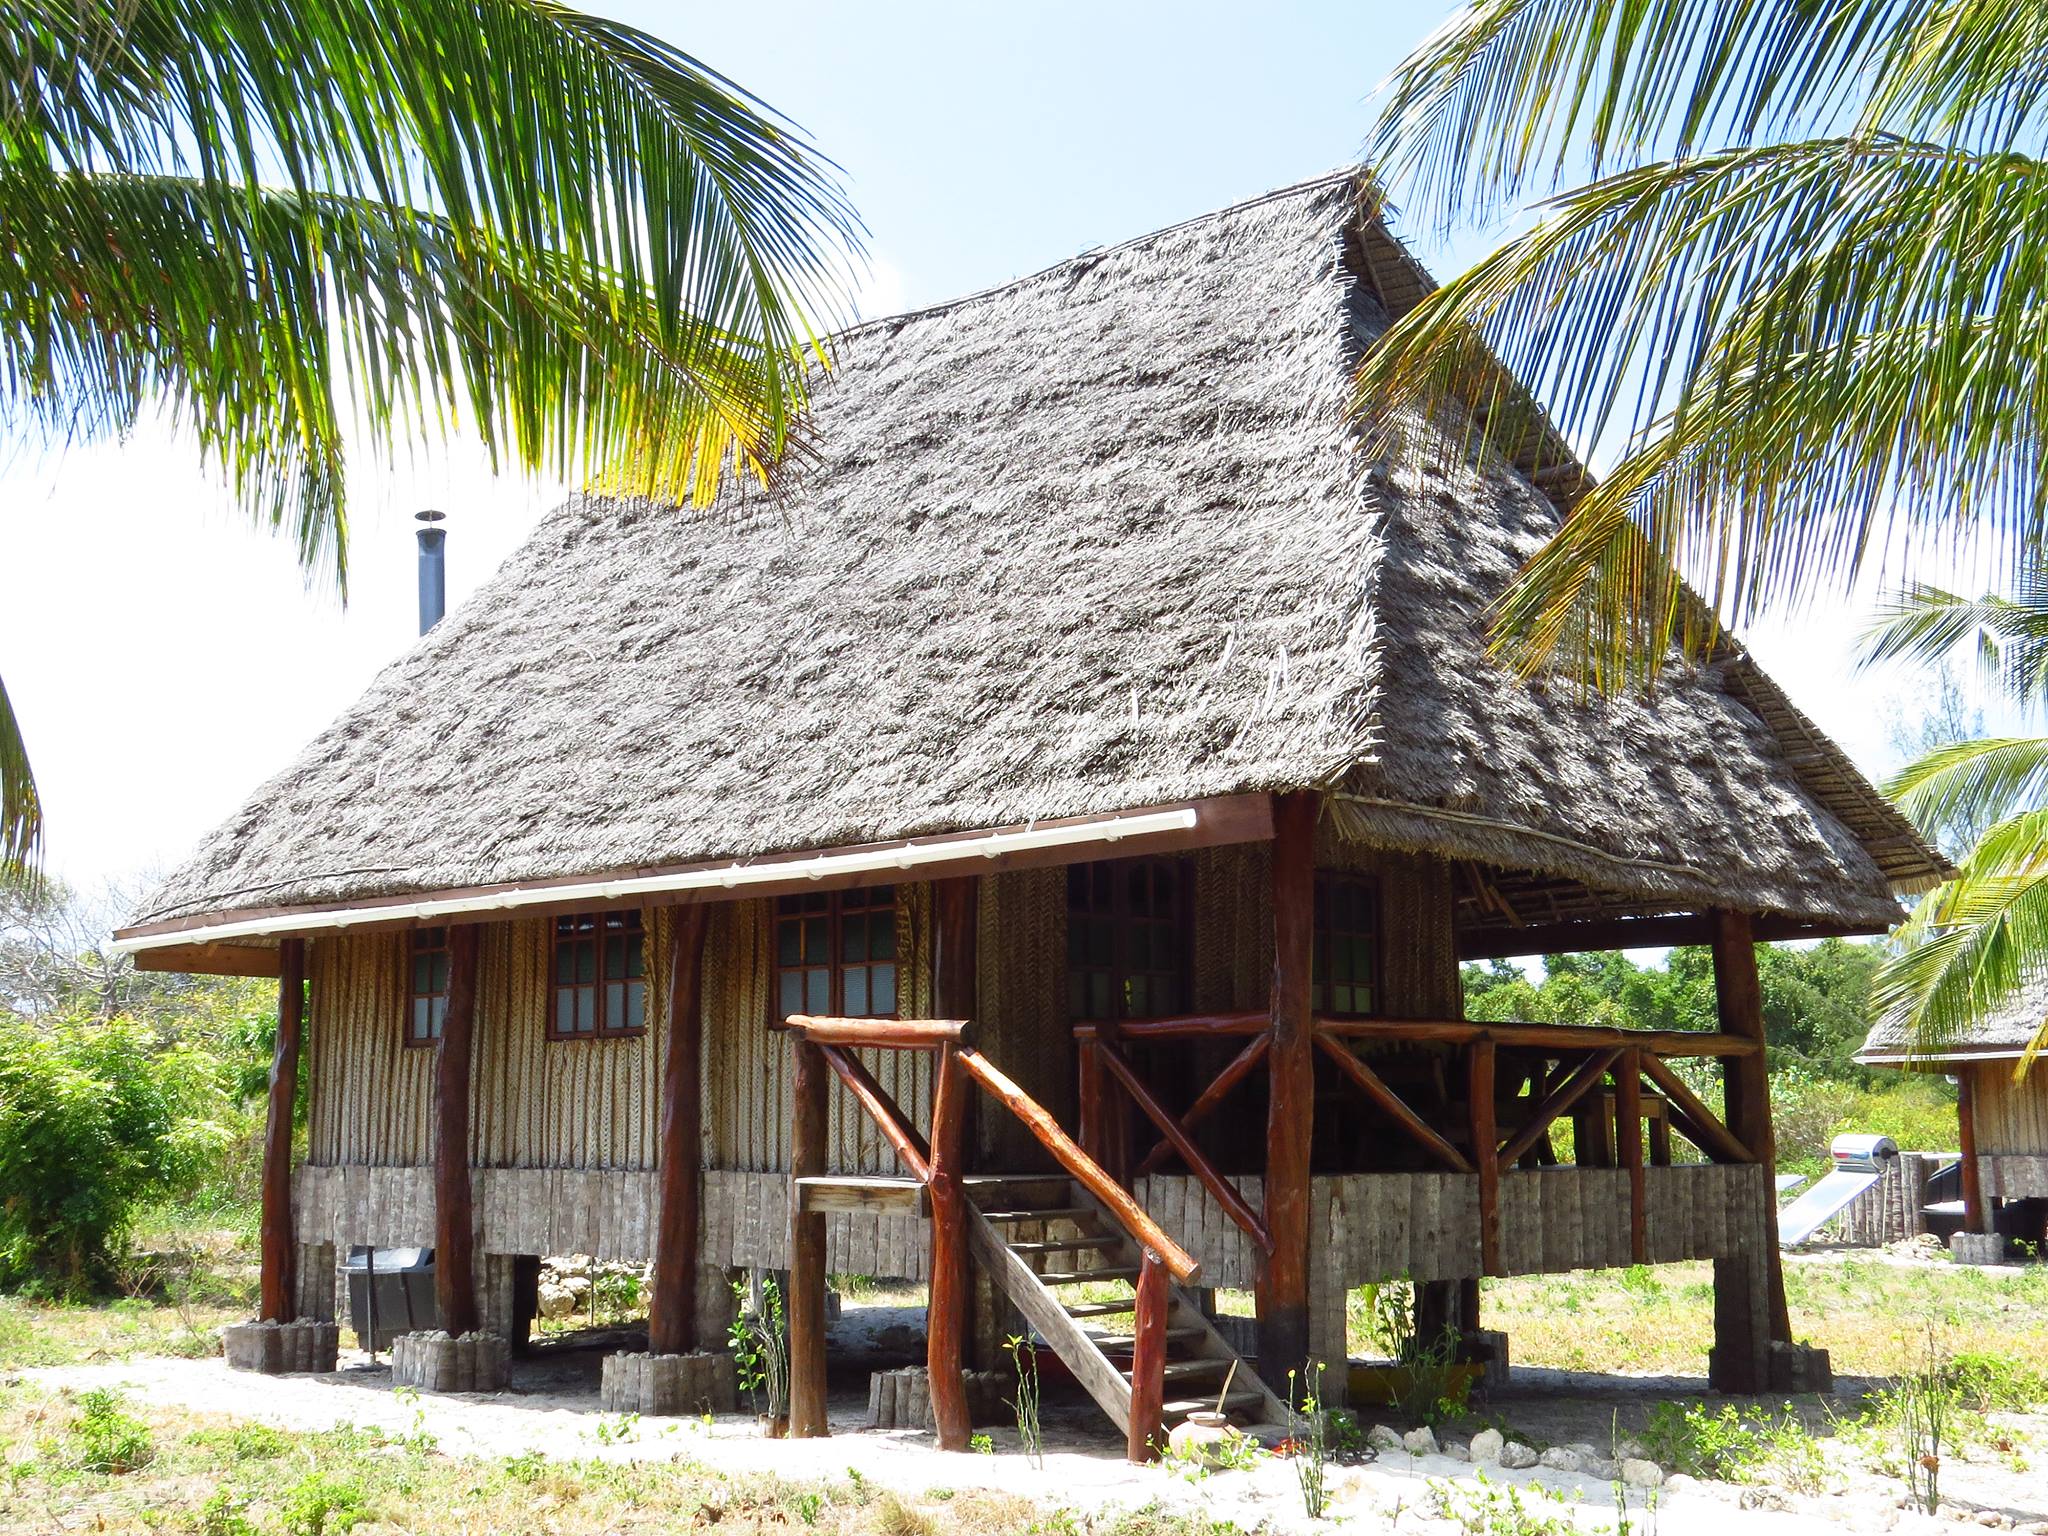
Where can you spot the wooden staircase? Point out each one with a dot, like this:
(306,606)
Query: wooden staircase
(1012,1222)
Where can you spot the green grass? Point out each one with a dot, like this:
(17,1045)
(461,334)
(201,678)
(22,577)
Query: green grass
(185,1472)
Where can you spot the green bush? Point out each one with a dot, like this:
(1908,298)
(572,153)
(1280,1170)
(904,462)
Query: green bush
(105,1439)
(319,1504)
(96,1117)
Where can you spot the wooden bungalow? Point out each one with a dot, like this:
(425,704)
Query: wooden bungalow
(1092,692)
(2001,1118)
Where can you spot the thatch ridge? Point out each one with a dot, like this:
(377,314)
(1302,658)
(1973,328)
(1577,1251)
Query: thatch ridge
(1097,538)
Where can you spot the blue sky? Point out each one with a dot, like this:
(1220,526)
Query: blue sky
(165,659)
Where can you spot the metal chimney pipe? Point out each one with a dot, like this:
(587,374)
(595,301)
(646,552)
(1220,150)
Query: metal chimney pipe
(433,568)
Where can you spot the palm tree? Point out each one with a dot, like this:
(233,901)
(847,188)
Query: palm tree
(269,217)
(1975,943)
(1801,293)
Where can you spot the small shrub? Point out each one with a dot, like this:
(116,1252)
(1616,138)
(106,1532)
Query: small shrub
(105,1439)
(760,1348)
(318,1504)
(1024,1360)
(222,1515)
(1993,1383)
(1306,1431)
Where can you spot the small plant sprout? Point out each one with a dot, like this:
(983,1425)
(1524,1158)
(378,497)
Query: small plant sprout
(760,1348)
(1305,1429)
(982,1445)
(1024,1360)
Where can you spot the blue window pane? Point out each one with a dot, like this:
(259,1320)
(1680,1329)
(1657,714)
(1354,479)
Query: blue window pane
(854,935)
(788,943)
(791,999)
(882,936)
(636,1005)
(818,991)
(586,1010)
(882,988)
(856,986)
(565,1011)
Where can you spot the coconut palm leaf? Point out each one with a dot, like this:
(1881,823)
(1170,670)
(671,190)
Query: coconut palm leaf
(1813,348)
(21,820)
(558,232)
(1924,624)
(1971,783)
(1974,945)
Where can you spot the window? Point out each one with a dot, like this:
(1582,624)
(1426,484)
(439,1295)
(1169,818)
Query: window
(426,1002)
(600,976)
(1347,945)
(1127,939)
(835,953)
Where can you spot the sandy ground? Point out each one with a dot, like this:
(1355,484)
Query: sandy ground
(552,1408)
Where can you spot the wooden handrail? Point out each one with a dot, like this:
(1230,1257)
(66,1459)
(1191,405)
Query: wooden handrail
(874,1098)
(1571,1037)
(1392,1103)
(1555,1103)
(887,1034)
(1205,1105)
(1220,1189)
(1191,1026)
(1085,1170)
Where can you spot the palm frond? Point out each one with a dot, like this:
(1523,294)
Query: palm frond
(1973,782)
(1823,339)
(21,815)
(1974,946)
(1924,625)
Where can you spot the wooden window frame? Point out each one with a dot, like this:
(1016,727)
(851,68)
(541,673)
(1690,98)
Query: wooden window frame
(598,929)
(424,944)
(1121,967)
(1320,991)
(834,908)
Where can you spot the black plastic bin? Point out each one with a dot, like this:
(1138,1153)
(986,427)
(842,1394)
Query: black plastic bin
(390,1291)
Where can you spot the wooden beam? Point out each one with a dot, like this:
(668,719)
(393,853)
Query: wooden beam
(1972,1173)
(1696,1120)
(1146,1437)
(806,1302)
(1613,933)
(863,1194)
(879,1034)
(279,1292)
(1281,1289)
(1739,1000)
(1485,1138)
(1218,820)
(1553,1037)
(672,1303)
(1568,1092)
(872,1097)
(1237,1071)
(1375,1089)
(946,1309)
(1628,1132)
(454,1210)
(1126,1211)
(211,960)
(1220,1189)
(1192,1026)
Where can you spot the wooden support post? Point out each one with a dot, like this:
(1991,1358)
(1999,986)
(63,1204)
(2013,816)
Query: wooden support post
(454,1212)
(1739,998)
(1485,1150)
(672,1304)
(279,1287)
(1147,1435)
(1093,1140)
(946,1310)
(1628,1132)
(1974,1212)
(1749,1290)
(1660,1141)
(1282,1281)
(806,1300)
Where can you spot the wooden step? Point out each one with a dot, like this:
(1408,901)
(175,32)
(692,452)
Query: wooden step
(1190,1370)
(1086,1276)
(1123,1341)
(1056,1213)
(1102,1308)
(1068,1245)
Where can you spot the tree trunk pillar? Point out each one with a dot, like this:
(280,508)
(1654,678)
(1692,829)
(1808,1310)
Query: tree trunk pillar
(1975,1215)
(1749,1291)
(806,1299)
(454,1212)
(279,1287)
(946,1310)
(672,1306)
(1282,1288)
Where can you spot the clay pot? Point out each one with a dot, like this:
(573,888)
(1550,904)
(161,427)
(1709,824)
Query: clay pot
(1203,1436)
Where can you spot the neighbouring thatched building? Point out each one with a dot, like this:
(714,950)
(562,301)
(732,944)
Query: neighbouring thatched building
(1095,689)
(2001,1111)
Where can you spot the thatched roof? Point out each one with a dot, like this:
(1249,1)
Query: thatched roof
(1098,538)
(2004,1035)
